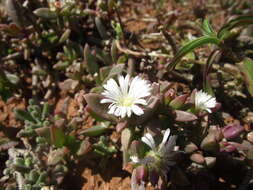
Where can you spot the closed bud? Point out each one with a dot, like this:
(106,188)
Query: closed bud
(153,177)
(141,174)
(137,148)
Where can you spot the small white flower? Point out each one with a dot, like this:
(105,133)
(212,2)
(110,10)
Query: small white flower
(126,97)
(165,138)
(149,140)
(135,159)
(204,101)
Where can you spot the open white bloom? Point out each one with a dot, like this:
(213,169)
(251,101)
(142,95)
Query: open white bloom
(126,97)
(135,159)
(149,140)
(204,101)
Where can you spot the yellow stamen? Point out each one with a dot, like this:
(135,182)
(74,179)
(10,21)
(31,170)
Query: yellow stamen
(126,101)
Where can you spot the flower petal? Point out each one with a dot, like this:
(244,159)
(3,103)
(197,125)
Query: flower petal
(166,136)
(141,101)
(137,110)
(103,101)
(146,141)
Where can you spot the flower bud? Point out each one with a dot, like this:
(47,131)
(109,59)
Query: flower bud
(141,174)
(135,147)
(153,177)
(232,131)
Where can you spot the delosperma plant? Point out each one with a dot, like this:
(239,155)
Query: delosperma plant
(176,113)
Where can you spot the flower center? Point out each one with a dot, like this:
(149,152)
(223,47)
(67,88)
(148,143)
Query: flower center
(126,101)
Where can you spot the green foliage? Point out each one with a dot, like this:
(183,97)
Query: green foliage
(210,37)
(239,21)
(190,46)
(5,87)
(35,117)
(207,28)
(96,130)
(247,69)
(103,148)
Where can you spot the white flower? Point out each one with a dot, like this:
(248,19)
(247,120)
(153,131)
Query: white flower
(204,101)
(126,97)
(149,140)
(135,159)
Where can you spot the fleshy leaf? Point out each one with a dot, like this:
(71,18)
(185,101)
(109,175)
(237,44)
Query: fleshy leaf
(98,109)
(95,130)
(45,13)
(184,116)
(247,69)
(90,60)
(178,102)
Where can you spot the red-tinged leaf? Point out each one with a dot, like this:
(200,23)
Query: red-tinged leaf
(58,138)
(179,101)
(98,109)
(121,125)
(184,116)
(148,112)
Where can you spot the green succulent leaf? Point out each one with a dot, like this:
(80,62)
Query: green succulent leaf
(95,130)
(45,13)
(58,138)
(90,60)
(23,115)
(116,70)
(101,28)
